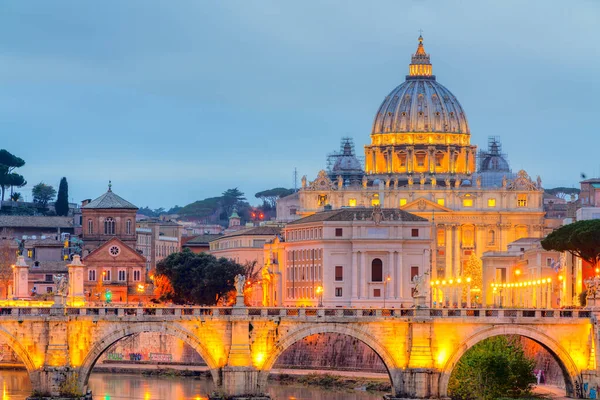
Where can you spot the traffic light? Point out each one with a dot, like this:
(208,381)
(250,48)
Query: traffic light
(108,296)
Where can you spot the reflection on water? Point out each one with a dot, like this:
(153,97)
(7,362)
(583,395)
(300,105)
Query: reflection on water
(16,386)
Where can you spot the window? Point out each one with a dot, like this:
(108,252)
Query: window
(376,292)
(338,232)
(375,200)
(491,202)
(339,273)
(48,278)
(106,275)
(438,159)
(414,232)
(491,237)
(30,253)
(414,271)
(441,237)
(109,226)
(49,289)
(338,292)
(522,200)
(128,226)
(292,211)
(121,275)
(467,202)
(90,227)
(92,275)
(420,159)
(377,270)
(352,202)
(402,202)
(548,262)
(441,202)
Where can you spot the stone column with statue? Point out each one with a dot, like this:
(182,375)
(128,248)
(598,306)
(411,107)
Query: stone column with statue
(76,296)
(20,286)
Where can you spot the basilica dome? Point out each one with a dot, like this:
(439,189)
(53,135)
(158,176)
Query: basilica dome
(420,104)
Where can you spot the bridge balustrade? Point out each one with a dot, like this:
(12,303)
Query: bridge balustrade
(289,312)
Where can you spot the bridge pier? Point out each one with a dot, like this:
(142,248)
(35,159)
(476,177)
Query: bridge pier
(415,383)
(56,381)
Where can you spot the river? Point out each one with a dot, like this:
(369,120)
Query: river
(105,386)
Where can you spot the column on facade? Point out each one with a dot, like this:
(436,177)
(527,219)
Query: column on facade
(399,276)
(456,252)
(363,276)
(390,270)
(448,251)
(431,151)
(355,277)
(451,159)
(409,159)
(390,160)
(479,239)
(467,160)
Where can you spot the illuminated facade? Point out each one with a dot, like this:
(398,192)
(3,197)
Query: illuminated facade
(421,160)
(359,257)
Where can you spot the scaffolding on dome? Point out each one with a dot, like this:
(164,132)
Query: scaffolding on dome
(492,164)
(346,144)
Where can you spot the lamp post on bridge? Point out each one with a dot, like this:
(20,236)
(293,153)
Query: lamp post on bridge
(320,293)
(385,283)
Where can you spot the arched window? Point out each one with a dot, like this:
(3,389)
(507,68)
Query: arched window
(109,226)
(90,227)
(441,237)
(375,200)
(376,270)
(491,237)
(128,226)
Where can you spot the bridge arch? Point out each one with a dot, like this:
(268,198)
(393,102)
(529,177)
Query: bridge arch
(295,335)
(568,366)
(23,355)
(169,328)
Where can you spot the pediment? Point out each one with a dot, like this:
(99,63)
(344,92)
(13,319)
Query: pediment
(423,205)
(124,254)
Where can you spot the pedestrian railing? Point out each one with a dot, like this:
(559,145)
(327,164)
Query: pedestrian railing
(183,312)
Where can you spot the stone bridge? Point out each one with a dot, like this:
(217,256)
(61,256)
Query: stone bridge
(419,347)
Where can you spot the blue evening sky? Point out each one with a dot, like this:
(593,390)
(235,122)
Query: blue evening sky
(176,101)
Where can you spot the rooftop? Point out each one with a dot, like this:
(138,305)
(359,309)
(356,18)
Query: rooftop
(23,221)
(110,200)
(255,231)
(202,240)
(360,214)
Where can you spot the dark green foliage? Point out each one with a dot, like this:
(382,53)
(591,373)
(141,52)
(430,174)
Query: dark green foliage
(269,197)
(200,208)
(496,367)
(581,238)
(230,199)
(43,193)
(198,278)
(8,163)
(62,200)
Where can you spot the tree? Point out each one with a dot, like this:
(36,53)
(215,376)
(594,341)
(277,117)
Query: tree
(8,163)
(230,198)
(16,196)
(269,197)
(198,278)
(581,238)
(493,368)
(162,287)
(8,256)
(563,192)
(473,269)
(42,193)
(62,200)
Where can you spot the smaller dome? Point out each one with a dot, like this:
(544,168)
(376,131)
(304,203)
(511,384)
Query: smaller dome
(345,163)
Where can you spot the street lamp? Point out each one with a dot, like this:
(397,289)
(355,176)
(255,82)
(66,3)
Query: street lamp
(320,293)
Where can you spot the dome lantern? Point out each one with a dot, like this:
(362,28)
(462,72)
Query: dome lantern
(420,65)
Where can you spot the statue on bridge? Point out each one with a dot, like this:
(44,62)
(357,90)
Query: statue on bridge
(61,284)
(240,281)
(419,282)
(593,290)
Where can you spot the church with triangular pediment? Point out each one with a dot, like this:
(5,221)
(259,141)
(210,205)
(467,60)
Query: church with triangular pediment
(112,263)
